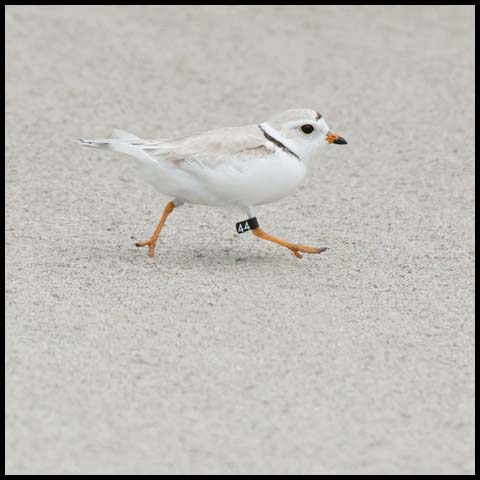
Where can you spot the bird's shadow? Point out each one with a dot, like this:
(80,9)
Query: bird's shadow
(204,259)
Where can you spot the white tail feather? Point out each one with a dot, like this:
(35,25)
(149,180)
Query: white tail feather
(122,134)
(122,142)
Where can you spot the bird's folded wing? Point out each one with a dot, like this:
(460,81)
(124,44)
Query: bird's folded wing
(212,149)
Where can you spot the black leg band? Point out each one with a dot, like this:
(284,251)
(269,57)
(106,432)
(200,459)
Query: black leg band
(247,225)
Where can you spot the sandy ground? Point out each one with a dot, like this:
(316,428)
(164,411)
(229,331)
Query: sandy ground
(227,354)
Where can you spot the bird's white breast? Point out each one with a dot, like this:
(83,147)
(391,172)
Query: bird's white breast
(256,181)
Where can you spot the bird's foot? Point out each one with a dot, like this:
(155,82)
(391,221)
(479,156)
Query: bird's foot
(296,249)
(150,244)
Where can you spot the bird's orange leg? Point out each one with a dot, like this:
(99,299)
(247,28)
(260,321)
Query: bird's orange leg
(153,240)
(296,249)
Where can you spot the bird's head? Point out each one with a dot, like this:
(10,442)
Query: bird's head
(302,131)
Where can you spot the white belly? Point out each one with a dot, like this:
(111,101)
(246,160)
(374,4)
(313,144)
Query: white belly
(237,183)
(261,180)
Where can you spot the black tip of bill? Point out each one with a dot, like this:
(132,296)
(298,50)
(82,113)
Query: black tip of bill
(340,141)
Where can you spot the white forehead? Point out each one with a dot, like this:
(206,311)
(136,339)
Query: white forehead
(294,119)
(321,123)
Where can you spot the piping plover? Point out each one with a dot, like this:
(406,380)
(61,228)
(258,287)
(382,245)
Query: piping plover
(230,167)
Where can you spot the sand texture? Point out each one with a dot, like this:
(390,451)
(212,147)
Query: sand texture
(227,354)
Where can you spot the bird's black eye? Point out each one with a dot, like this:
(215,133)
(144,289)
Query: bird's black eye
(307,128)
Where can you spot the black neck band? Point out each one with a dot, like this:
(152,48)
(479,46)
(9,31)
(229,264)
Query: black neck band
(277,143)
